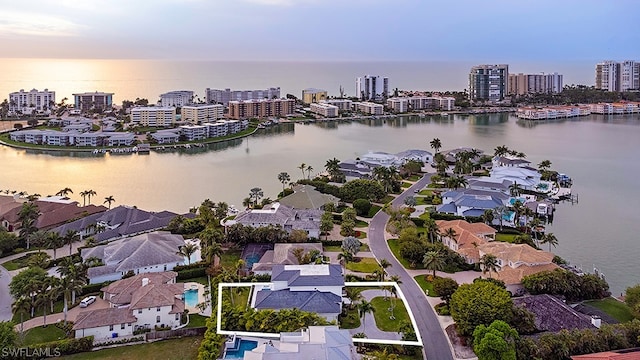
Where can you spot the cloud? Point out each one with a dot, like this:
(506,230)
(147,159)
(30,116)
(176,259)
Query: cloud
(279,2)
(18,23)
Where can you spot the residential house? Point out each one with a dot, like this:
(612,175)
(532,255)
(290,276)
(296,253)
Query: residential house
(52,213)
(552,314)
(313,288)
(622,354)
(307,197)
(527,178)
(471,202)
(314,342)
(141,301)
(282,254)
(145,253)
(277,214)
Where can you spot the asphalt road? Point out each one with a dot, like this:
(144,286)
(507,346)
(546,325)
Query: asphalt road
(5,298)
(436,344)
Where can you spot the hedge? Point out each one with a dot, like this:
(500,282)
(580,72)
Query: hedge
(418,221)
(195,265)
(93,288)
(191,273)
(64,347)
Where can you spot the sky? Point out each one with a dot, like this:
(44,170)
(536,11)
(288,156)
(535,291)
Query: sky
(321,30)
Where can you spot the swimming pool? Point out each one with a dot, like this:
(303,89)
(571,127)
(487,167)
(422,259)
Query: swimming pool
(251,259)
(244,345)
(191,297)
(512,201)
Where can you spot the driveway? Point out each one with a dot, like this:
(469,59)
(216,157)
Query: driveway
(436,343)
(5,298)
(72,314)
(369,327)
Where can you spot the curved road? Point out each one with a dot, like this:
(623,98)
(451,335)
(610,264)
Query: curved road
(436,344)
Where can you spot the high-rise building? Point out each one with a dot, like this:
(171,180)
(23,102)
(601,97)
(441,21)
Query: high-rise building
(177,98)
(488,82)
(521,84)
(215,96)
(202,113)
(262,108)
(93,100)
(153,116)
(311,95)
(370,87)
(28,101)
(616,76)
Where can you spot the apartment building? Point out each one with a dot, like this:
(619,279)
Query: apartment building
(369,108)
(193,132)
(404,104)
(153,116)
(324,109)
(371,87)
(26,102)
(312,95)
(488,82)
(618,76)
(202,113)
(342,104)
(522,84)
(99,101)
(216,96)
(261,108)
(177,98)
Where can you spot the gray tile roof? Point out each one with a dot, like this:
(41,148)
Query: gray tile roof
(307,197)
(121,291)
(281,215)
(282,254)
(551,314)
(294,278)
(312,301)
(103,317)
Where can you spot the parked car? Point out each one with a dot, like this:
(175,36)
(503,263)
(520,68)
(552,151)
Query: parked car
(87,301)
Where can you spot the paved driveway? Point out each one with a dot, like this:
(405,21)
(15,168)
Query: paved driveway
(5,298)
(436,344)
(369,327)
(72,314)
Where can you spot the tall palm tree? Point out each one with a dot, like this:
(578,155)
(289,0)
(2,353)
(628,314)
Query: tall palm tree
(302,167)
(21,306)
(451,234)
(39,239)
(70,237)
(309,170)
(364,308)
(501,150)
(551,239)
(84,197)
(436,144)
(246,202)
(487,216)
(354,294)
(255,194)
(64,192)
(53,242)
(345,256)
(489,263)
(89,194)
(433,260)
(284,178)
(384,264)
(109,199)
(544,165)
(187,250)
(65,287)
(333,167)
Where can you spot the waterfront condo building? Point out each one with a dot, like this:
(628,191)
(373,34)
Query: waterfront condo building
(263,108)
(215,96)
(176,98)
(311,95)
(404,104)
(371,87)
(522,84)
(202,113)
(153,116)
(615,76)
(93,101)
(369,108)
(324,109)
(27,102)
(488,82)
(342,104)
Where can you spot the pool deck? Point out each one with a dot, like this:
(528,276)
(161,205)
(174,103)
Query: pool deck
(201,299)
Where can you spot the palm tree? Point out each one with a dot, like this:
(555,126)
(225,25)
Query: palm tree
(346,256)
(309,170)
(550,239)
(365,307)
(433,260)
(302,167)
(487,216)
(39,259)
(354,294)
(69,237)
(65,286)
(22,306)
(515,189)
(84,197)
(246,202)
(499,211)
(187,250)
(384,264)
(432,229)
(89,194)
(64,192)
(333,167)
(436,144)
(489,263)
(284,178)
(501,150)
(544,165)
(39,239)
(53,242)
(255,193)
(451,234)
(109,199)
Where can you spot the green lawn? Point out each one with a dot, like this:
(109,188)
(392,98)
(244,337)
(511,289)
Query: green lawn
(394,245)
(505,237)
(18,263)
(382,313)
(374,210)
(174,349)
(196,320)
(338,248)
(616,309)
(387,199)
(240,296)
(365,265)
(414,177)
(201,280)
(229,258)
(406,184)
(58,306)
(425,285)
(420,200)
(39,335)
(425,192)
(349,321)
(360,224)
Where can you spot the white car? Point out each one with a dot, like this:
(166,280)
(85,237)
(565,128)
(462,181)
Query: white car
(87,301)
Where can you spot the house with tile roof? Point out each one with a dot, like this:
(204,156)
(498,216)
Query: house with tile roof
(145,253)
(307,197)
(471,202)
(287,218)
(141,301)
(526,177)
(474,240)
(552,314)
(313,288)
(117,223)
(282,254)
(314,342)
(623,354)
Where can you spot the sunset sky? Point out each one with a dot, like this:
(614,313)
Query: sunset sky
(504,30)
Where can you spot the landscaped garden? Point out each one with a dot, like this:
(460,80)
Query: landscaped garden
(385,319)
(363,265)
(426,285)
(41,334)
(174,349)
(350,319)
(614,308)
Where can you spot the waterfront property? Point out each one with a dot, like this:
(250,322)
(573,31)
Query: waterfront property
(261,108)
(364,165)
(202,113)
(488,83)
(215,96)
(282,254)
(176,98)
(368,108)
(313,288)
(145,253)
(153,116)
(277,214)
(372,87)
(522,84)
(324,109)
(28,102)
(471,202)
(312,95)
(307,197)
(406,104)
(553,315)
(342,104)
(139,302)
(618,76)
(98,101)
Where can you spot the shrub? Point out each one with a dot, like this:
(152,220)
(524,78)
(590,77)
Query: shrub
(362,206)
(442,309)
(65,346)
(123,341)
(191,273)
(195,265)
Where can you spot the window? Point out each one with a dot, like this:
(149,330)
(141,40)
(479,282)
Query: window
(139,311)
(158,318)
(122,326)
(177,316)
(110,327)
(158,309)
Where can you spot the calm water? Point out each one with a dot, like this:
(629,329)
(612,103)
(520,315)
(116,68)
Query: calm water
(600,153)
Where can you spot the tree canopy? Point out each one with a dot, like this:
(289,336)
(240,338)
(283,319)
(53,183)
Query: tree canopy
(495,342)
(479,303)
